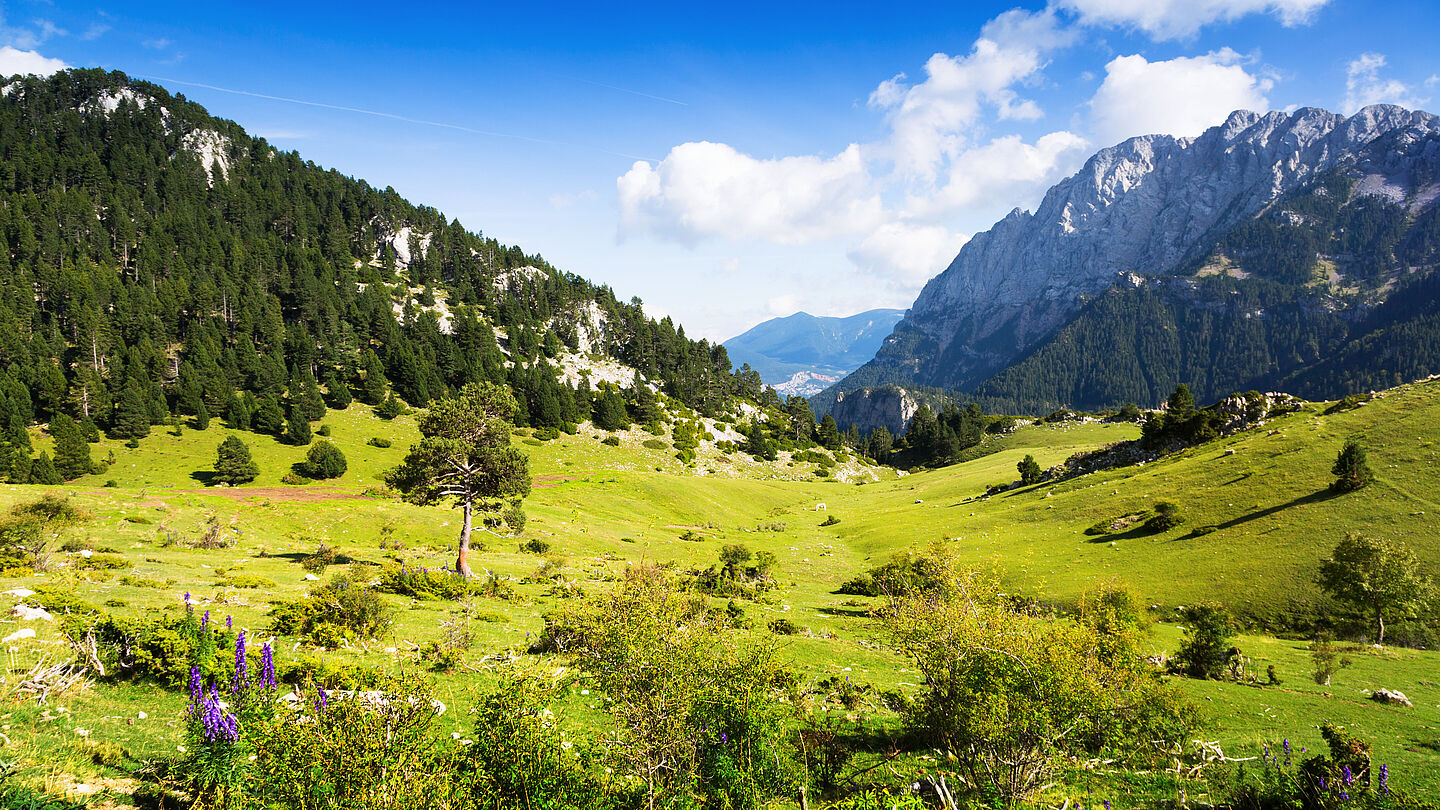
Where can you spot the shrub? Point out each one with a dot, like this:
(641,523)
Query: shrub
(323,430)
(161,647)
(1207,642)
(355,751)
(535,546)
(312,671)
(547,434)
(389,408)
(324,461)
(376,441)
(654,444)
(294,479)
(830,520)
(1013,693)
(613,441)
(101,562)
(424,583)
(340,610)
(323,557)
(784,627)
(247,581)
(1167,516)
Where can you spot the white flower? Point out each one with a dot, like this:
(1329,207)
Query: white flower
(83,732)
(566,745)
(180,748)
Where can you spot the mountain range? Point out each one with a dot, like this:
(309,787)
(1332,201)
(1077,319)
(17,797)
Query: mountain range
(801,354)
(1278,250)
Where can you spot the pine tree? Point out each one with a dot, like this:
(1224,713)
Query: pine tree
(268,418)
(340,397)
(233,465)
(610,413)
(132,414)
(202,416)
(389,408)
(72,453)
(828,434)
(297,427)
(373,386)
(324,460)
(43,471)
(1030,471)
(238,413)
(757,444)
(1351,470)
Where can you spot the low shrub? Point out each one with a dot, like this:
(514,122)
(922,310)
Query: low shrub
(654,444)
(247,581)
(613,441)
(323,557)
(376,441)
(102,562)
(308,670)
(547,434)
(160,646)
(784,627)
(535,546)
(340,610)
(424,583)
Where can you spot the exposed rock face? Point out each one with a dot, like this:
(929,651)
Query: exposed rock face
(1142,207)
(889,406)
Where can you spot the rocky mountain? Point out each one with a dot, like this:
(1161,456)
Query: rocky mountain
(801,354)
(1266,250)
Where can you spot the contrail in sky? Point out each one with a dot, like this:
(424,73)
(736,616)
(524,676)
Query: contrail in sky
(392,116)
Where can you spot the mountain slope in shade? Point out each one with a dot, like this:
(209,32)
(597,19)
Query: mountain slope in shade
(798,352)
(1229,235)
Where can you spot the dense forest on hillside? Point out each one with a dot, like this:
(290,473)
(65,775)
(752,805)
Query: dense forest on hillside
(156,261)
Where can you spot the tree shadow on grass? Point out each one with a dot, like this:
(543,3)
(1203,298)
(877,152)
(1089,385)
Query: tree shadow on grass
(205,477)
(1314,497)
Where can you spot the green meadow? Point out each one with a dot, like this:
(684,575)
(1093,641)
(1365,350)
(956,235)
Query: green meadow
(1259,501)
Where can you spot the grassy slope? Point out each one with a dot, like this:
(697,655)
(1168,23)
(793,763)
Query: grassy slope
(604,507)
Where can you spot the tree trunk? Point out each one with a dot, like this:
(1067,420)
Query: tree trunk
(462,563)
(1380,623)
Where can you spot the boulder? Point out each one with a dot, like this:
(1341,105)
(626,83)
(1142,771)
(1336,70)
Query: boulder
(1393,697)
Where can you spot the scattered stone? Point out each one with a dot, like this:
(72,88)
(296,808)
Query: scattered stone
(1392,697)
(19,593)
(25,613)
(1230,451)
(19,634)
(311,577)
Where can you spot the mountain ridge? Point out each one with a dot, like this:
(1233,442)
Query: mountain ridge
(793,351)
(1145,208)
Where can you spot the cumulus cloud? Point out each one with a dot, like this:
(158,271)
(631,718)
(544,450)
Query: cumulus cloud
(1006,169)
(1181,96)
(907,254)
(1180,19)
(14,61)
(934,119)
(708,189)
(1365,86)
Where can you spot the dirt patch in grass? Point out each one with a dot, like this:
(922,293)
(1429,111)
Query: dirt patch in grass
(549,481)
(287,494)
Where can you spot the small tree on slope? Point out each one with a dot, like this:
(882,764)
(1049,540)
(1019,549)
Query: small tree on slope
(1377,577)
(464,456)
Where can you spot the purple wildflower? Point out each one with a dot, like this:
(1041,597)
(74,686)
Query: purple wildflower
(1107,804)
(1287,746)
(324,699)
(217,723)
(724,738)
(267,666)
(1346,775)
(1385,779)
(205,622)
(1344,797)
(229,623)
(241,676)
(189,607)
(195,686)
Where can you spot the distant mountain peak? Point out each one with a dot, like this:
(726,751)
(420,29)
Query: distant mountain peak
(801,353)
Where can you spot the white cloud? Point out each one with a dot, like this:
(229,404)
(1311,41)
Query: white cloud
(704,189)
(1364,86)
(1180,19)
(14,61)
(1181,96)
(1006,172)
(934,119)
(907,254)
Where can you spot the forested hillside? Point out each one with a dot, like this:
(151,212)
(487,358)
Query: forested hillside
(156,261)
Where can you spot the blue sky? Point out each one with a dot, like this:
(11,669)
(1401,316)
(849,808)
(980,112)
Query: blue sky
(734,163)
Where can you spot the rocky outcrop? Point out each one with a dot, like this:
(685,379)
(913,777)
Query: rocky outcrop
(1141,208)
(889,406)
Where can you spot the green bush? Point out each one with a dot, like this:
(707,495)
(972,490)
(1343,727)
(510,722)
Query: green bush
(342,609)
(547,434)
(535,546)
(248,581)
(323,557)
(1167,516)
(424,583)
(324,461)
(376,441)
(1208,634)
(158,646)
(654,444)
(613,441)
(102,562)
(329,674)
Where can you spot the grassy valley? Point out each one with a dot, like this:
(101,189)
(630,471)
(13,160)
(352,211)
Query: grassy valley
(1259,498)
